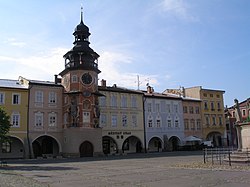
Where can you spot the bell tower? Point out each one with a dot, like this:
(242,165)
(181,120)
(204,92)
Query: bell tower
(80,82)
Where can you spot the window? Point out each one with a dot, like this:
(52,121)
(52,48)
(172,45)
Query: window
(220,120)
(102,101)
(158,122)
(38,119)
(52,97)
(218,96)
(86,117)
(157,107)
(192,124)
(214,119)
(6,147)
(114,121)
(15,119)
(243,112)
(233,114)
(169,123)
(124,120)
(191,110)
(205,105)
(205,95)
(176,123)
(197,110)
(103,120)
(52,119)
(168,108)
(124,101)
(113,101)
(74,79)
(218,106)
(134,102)
(198,124)
(207,119)
(16,99)
(211,95)
(39,97)
(186,124)
(149,107)
(176,108)
(134,120)
(150,123)
(185,109)
(212,105)
(2,96)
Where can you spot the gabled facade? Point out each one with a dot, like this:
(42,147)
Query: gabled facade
(121,120)
(14,100)
(163,116)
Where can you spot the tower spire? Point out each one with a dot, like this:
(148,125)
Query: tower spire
(81,14)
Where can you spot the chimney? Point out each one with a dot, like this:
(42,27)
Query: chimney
(103,83)
(150,89)
(57,80)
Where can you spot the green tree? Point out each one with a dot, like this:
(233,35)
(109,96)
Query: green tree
(4,126)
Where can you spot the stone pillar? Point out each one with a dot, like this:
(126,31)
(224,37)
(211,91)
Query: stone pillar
(239,138)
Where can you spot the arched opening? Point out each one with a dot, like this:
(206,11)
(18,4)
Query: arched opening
(216,139)
(12,149)
(132,144)
(86,149)
(109,145)
(45,146)
(155,144)
(174,143)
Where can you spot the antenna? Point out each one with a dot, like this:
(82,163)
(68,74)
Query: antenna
(138,82)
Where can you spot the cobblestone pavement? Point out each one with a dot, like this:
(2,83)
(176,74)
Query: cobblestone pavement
(166,169)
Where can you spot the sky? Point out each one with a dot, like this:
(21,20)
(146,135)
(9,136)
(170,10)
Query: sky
(165,43)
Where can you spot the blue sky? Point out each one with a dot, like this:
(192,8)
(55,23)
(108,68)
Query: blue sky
(168,43)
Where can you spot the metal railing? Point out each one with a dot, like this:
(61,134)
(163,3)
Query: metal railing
(226,156)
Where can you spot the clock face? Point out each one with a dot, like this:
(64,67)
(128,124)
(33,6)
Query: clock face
(86,78)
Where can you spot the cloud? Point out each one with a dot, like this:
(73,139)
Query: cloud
(39,66)
(177,8)
(110,64)
(15,42)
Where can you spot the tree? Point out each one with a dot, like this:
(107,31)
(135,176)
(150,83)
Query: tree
(4,126)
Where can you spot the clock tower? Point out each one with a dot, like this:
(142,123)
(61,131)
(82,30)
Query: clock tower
(82,135)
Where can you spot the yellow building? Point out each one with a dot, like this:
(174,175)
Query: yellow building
(212,113)
(14,100)
(121,120)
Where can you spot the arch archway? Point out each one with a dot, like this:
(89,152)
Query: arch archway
(174,143)
(216,138)
(109,145)
(45,146)
(86,149)
(132,144)
(12,149)
(155,144)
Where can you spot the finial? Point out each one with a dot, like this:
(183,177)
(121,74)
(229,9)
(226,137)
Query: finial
(81,13)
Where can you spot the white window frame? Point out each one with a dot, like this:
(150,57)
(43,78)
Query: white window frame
(103,120)
(124,101)
(134,120)
(39,96)
(15,119)
(2,98)
(113,120)
(113,100)
(16,101)
(124,120)
(38,119)
(133,101)
(52,121)
(52,97)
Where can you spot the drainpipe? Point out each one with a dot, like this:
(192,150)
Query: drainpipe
(28,137)
(144,125)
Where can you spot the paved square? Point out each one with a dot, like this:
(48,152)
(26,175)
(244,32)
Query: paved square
(166,169)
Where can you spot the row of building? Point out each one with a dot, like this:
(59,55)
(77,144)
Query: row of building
(129,121)
(74,116)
